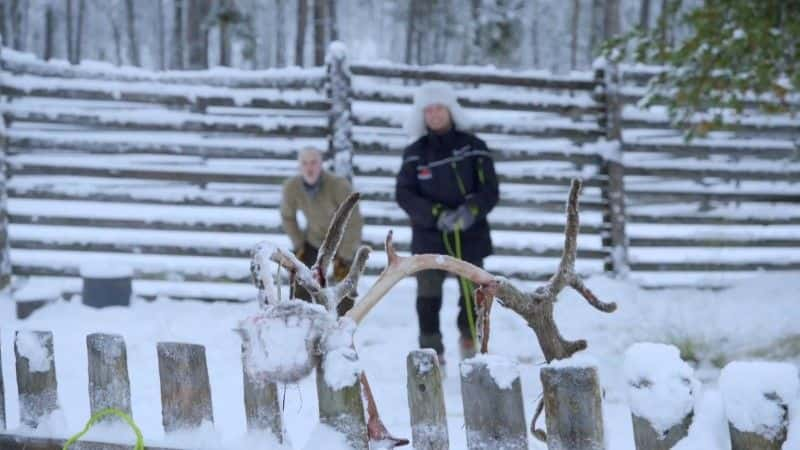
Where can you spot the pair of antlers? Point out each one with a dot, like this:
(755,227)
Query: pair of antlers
(536,306)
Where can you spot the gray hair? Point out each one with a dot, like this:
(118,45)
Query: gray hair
(306,150)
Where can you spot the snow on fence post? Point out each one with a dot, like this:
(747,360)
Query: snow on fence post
(261,404)
(185,389)
(341,407)
(661,394)
(426,401)
(493,410)
(757,398)
(340,124)
(109,384)
(573,407)
(36,376)
(614,236)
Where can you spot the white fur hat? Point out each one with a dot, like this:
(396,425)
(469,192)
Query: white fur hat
(432,94)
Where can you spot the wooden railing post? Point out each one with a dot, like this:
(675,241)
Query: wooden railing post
(614,236)
(109,384)
(2,394)
(5,259)
(426,401)
(36,376)
(340,122)
(493,412)
(185,389)
(261,405)
(343,410)
(573,408)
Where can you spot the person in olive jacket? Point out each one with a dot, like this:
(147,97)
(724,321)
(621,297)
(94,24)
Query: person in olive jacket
(447,186)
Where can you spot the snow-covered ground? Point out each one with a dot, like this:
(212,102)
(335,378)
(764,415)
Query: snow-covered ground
(755,319)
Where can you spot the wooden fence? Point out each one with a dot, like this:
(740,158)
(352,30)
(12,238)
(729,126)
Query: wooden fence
(177,174)
(491,394)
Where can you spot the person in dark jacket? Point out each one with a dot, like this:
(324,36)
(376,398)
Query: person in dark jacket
(447,186)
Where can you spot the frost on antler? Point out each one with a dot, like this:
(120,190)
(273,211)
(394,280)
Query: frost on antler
(333,236)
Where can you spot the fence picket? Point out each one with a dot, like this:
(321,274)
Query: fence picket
(185,389)
(109,384)
(36,376)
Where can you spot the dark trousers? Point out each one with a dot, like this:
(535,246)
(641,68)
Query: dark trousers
(429,303)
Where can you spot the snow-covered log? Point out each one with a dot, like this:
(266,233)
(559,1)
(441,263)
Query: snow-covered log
(185,389)
(341,407)
(2,396)
(340,123)
(109,384)
(5,258)
(426,401)
(661,394)
(262,405)
(758,397)
(36,376)
(493,409)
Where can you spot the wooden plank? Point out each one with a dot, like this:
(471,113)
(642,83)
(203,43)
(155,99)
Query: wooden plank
(195,123)
(291,78)
(573,408)
(698,172)
(109,385)
(185,389)
(33,144)
(696,149)
(541,227)
(765,128)
(471,77)
(199,100)
(721,241)
(577,133)
(499,154)
(13,442)
(343,410)
(426,401)
(261,405)
(493,414)
(36,376)
(639,195)
(565,107)
(711,219)
(707,266)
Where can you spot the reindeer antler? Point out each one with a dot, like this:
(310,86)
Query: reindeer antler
(334,235)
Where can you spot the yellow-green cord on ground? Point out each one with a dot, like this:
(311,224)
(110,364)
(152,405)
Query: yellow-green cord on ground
(100,415)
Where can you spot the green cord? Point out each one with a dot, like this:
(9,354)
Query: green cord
(466,285)
(101,414)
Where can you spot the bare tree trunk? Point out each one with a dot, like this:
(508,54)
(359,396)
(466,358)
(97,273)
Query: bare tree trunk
(319,32)
(79,31)
(611,23)
(644,15)
(574,45)
(133,44)
(475,39)
(411,29)
(117,34)
(176,61)
(332,20)
(596,28)
(535,33)
(3,33)
(225,34)
(280,31)
(18,24)
(70,51)
(161,30)
(48,32)
(197,33)
(300,39)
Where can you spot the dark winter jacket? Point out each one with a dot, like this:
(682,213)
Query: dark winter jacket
(442,172)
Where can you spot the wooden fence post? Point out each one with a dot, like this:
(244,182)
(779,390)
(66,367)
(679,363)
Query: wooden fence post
(343,410)
(36,376)
(2,388)
(185,389)
(614,236)
(103,287)
(426,401)
(573,408)
(340,123)
(493,412)
(647,438)
(109,385)
(261,405)
(758,386)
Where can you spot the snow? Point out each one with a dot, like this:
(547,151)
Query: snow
(580,360)
(30,346)
(503,370)
(661,387)
(610,151)
(324,436)
(341,368)
(105,270)
(757,395)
